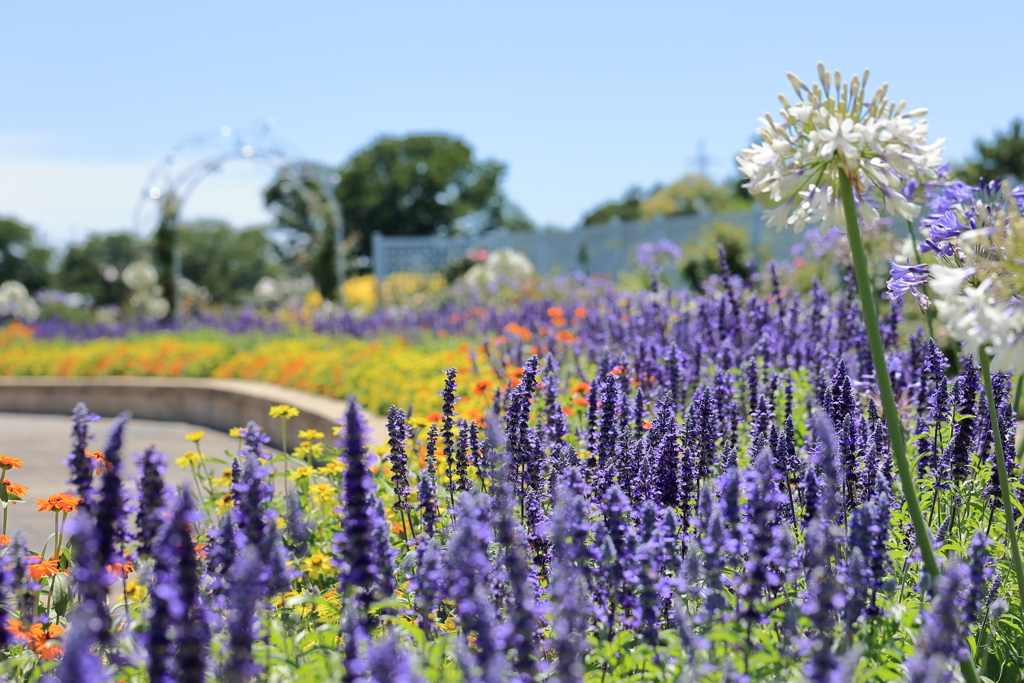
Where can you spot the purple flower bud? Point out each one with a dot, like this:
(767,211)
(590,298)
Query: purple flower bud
(80,464)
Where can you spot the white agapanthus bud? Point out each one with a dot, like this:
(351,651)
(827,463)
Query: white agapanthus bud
(833,129)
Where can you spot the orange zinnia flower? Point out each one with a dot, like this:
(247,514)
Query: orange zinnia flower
(63,502)
(7,462)
(40,567)
(4,540)
(580,312)
(37,637)
(15,489)
(101,461)
(120,568)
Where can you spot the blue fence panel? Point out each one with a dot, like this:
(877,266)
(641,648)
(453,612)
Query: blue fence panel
(609,248)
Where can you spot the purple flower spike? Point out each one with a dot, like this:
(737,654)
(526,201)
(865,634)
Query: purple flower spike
(80,464)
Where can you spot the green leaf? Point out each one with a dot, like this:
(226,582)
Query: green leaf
(61,594)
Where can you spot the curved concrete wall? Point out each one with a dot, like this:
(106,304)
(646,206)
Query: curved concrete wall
(215,403)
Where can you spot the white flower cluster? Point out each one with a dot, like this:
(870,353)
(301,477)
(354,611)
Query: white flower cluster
(835,128)
(270,290)
(979,289)
(16,302)
(147,295)
(501,265)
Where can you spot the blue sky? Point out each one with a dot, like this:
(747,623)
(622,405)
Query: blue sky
(581,100)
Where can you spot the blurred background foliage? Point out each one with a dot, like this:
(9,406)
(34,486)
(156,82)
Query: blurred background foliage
(423,185)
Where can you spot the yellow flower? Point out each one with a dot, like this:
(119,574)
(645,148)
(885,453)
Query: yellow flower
(301,473)
(235,432)
(322,493)
(317,565)
(336,429)
(134,591)
(331,468)
(195,436)
(224,504)
(224,480)
(280,522)
(310,434)
(190,458)
(285,411)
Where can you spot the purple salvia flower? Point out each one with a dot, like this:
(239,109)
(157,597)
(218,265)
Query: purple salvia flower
(362,567)
(246,591)
(252,494)
(109,510)
(79,663)
(957,455)
(469,572)
(176,601)
(399,457)
(556,425)
(520,607)
(821,600)
(942,638)
(80,464)
(980,573)
(448,400)
(428,486)
(428,583)
(297,526)
(759,530)
(518,442)
(385,662)
(148,518)
(570,602)
(221,552)
(90,581)
(464,482)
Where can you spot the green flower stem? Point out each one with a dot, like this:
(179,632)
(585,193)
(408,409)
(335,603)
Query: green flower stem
(1004,479)
(892,418)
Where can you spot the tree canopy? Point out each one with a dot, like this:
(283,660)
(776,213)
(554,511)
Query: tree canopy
(227,261)
(1001,158)
(691,194)
(94,266)
(422,185)
(21,257)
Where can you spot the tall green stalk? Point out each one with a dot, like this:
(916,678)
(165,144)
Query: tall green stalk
(1004,479)
(892,418)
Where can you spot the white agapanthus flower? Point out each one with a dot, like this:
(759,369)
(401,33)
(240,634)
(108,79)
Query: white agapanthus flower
(978,290)
(835,128)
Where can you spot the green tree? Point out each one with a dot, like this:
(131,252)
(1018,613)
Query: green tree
(422,185)
(21,257)
(306,222)
(1001,158)
(228,262)
(94,267)
(691,194)
(626,209)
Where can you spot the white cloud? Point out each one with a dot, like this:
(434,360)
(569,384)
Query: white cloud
(67,199)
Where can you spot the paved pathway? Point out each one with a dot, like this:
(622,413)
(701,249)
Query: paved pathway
(44,441)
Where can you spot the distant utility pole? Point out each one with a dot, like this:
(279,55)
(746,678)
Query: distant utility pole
(702,160)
